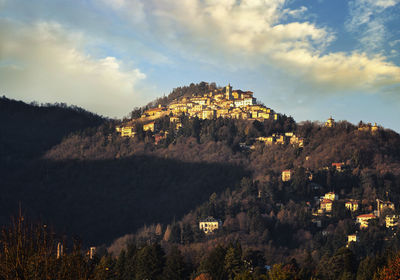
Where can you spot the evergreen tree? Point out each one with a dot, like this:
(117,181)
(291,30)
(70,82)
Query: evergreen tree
(233,261)
(150,262)
(175,268)
(214,263)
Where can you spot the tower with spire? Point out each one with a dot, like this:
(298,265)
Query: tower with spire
(228,92)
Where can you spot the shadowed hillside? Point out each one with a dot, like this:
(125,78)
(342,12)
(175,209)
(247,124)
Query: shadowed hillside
(27,131)
(101,200)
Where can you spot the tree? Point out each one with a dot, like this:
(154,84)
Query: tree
(26,252)
(120,266)
(149,262)
(233,262)
(342,262)
(214,263)
(175,267)
(391,271)
(277,272)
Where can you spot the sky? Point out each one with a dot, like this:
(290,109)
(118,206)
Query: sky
(310,59)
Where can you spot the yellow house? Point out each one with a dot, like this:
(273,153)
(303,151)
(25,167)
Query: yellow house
(270,140)
(209,225)
(149,126)
(294,140)
(392,221)
(263,115)
(236,95)
(374,128)
(352,205)
(154,111)
(222,113)
(369,127)
(208,114)
(330,122)
(351,238)
(326,205)
(280,139)
(126,131)
(364,219)
(286,175)
(331,195)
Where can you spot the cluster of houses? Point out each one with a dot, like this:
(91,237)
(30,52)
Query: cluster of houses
(368,127)
(222,102)
(277,138)
(372,128)
(325,205)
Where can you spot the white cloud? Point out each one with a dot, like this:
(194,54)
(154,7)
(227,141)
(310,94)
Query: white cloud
(296,13)
(252,32)
(367,19)
(47,63)
(342,71)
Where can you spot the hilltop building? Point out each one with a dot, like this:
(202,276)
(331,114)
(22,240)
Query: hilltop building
(368,127)
(330,122)
(228,92)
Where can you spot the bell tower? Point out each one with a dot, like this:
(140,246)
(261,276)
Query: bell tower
(228,92)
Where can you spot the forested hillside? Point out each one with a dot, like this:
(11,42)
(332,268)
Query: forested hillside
(73,170)
(97,200)
(27,131)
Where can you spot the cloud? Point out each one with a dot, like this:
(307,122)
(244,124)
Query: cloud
(367,19)
(47,63)
(259,32)
(344,72)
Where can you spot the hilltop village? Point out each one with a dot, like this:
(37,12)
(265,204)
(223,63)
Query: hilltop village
(221,102)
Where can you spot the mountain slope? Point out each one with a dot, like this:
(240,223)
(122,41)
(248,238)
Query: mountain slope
(27,131)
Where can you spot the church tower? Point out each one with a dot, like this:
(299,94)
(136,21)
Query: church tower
(228,92)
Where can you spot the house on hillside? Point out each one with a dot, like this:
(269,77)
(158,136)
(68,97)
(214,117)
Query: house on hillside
(364,219)
(209,225)
(331,195)
(338,166)
(352,205)
(126,131)
(149,126)
(392,221)
(351,238)
(368,127)
(286,175)
(325,206)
